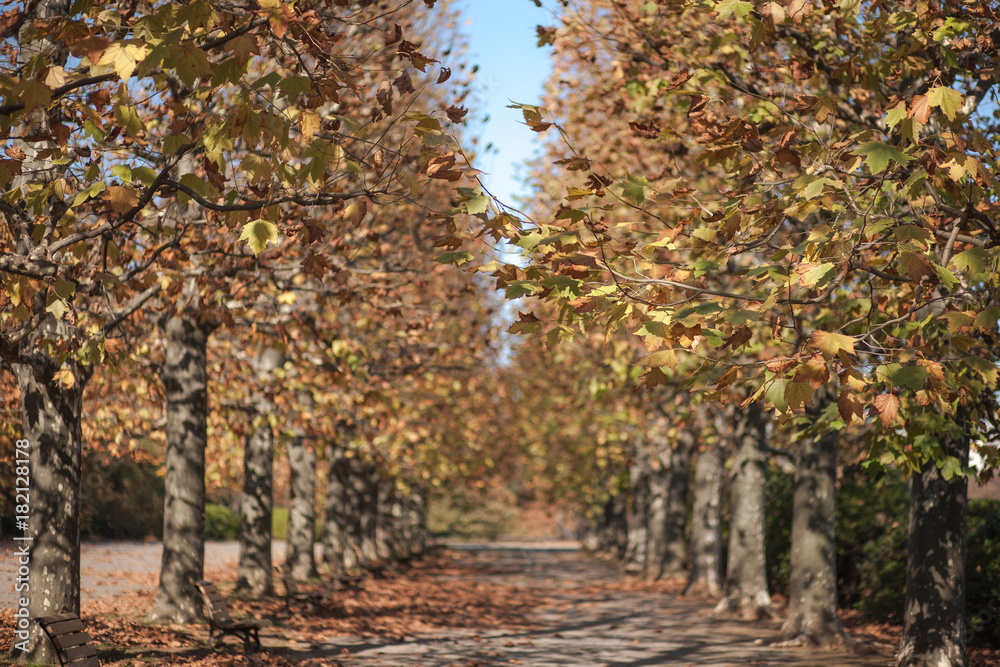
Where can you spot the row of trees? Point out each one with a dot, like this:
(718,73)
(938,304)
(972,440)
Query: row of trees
(219,225)
(790,207)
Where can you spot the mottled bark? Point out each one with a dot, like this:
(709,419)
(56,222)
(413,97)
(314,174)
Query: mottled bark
(341,525)
(609,533)
(51,425)
(299,559)
(934,615)
(706,525)
(185,382)
(367,482)
(746,579)
(253,577)
(671,562)
(658,485)
(812,590)
(636,555)
(51,411)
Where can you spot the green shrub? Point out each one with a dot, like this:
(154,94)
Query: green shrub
(120,499)
(872,526)
(221,523)
(982,571)
(279,523)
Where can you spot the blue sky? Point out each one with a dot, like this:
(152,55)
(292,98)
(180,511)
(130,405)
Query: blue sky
(502,41)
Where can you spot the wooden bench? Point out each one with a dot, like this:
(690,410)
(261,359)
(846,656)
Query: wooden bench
(71,641)
(293,593)
(220,621)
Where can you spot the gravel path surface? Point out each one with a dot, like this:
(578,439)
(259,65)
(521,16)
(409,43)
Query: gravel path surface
(590,618)
(588,622)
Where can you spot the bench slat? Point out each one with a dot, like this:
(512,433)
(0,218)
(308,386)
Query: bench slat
(80,652)
(64,642)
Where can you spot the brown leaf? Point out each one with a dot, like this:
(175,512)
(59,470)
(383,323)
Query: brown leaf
(403,84)
(919,110)
(849,406)
(456,114)
(440,166)
(798,10)
(444,75)
(648,129)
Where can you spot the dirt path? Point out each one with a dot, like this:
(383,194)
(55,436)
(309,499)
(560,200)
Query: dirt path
(591,617)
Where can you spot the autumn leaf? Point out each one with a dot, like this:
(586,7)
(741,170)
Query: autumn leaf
(798,394)
(124,56)
(441,167)
(949,100)
(887,408)
(356,211)
(257,234)
(121,198)
(831,344)
(849,407)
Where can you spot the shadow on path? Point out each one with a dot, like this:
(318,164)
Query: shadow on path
(589,617)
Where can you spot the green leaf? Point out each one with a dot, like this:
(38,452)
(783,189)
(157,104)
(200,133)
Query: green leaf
(877,155)
(987,320)
(798,394)
(911,377)
(775,394)
(727,8)
(975,261)
(895,115)
(951,467)
(295,84)
(634,188)
(478,204)
(816,274)
(457,258)
(257,233)
(949,100)
(815,189)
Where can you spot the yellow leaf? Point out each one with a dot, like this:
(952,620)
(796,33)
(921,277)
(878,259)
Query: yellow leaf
(309,124)
(65,377)
(257,233)
(356,211)
(124,57)
(831,343)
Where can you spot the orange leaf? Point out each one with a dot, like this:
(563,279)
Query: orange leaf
(887,407)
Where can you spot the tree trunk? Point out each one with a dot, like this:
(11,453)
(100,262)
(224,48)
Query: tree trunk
(368,482)
(253,578)
(812,589)
(51,422)
(299,559)
(337,529)
(657,517)
(746,579)
(185,382)
(674,554)
(706,525)
(638,526)
(934,616)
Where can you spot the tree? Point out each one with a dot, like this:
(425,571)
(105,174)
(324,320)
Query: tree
(102,109)
(824,204)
